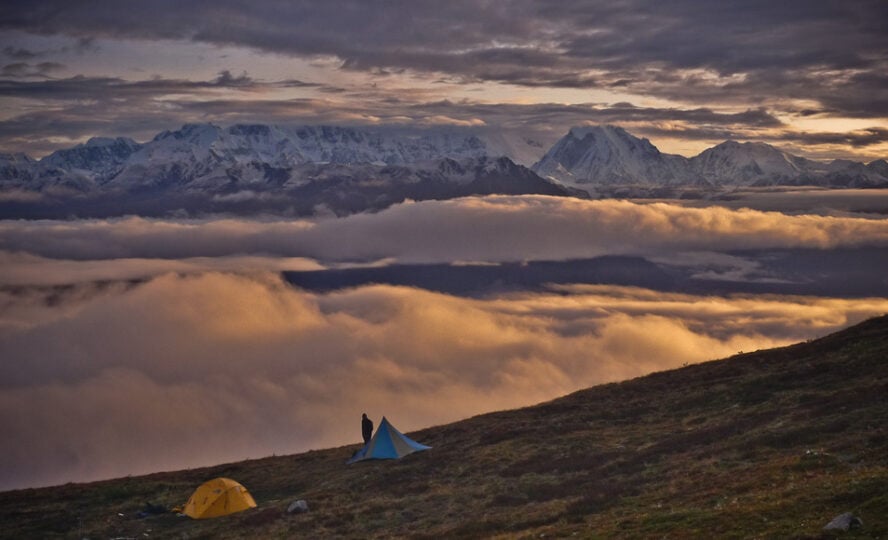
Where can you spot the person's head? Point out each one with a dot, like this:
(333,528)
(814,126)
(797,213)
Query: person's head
(364,415)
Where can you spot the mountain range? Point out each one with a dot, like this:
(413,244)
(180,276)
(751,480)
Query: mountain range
(306,169)
(203,168)
(609,155)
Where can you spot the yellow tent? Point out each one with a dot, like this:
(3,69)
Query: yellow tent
(218,497)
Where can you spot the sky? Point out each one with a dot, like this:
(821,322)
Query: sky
(807,76)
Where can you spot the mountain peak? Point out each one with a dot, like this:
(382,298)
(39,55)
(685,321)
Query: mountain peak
(610,155)
(199,127)
(99,142)
(588,155)
(18,158)
(746,146)
(99,155)
(879,166)
(191,133)
(747,163)
(611,135)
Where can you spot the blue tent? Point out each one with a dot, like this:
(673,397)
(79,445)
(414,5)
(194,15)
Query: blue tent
(387,443)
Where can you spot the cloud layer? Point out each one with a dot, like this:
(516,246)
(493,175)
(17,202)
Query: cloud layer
(687,69)
(584,44)
(180,371)
(135,345)
(492,229)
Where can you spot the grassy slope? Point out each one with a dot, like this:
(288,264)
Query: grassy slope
(768,444)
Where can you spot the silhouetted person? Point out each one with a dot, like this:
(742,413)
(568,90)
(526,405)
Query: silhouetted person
(366,428)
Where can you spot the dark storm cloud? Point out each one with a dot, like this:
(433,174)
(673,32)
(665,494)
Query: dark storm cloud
(858,139)
(514,115)
(77,107)
(865,94)
(38,133)
(108,88)
(80,87)
(555,113)
(109,106)
(18,53)
(778,49)
(225,78)
(845,92)
(85,106)
(24,69)
(728,37)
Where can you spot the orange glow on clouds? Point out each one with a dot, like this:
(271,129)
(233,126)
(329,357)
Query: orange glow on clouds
(488,229)
(125,380)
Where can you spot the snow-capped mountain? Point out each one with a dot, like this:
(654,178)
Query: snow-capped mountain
(757,164)
(200,151)
(253,168)
(315,144)
(16,168)
(257,168)
(347,145)
(734,163)
(98,156)
(844,172)
(519,147)
(880,167)
(608,155)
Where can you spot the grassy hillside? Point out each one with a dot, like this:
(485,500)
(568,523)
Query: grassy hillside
(768,444)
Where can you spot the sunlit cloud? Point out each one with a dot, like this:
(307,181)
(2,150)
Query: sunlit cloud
(491,229)
(182,371)
(25,269)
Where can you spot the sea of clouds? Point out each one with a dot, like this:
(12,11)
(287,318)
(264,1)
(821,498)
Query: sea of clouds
(134,345)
